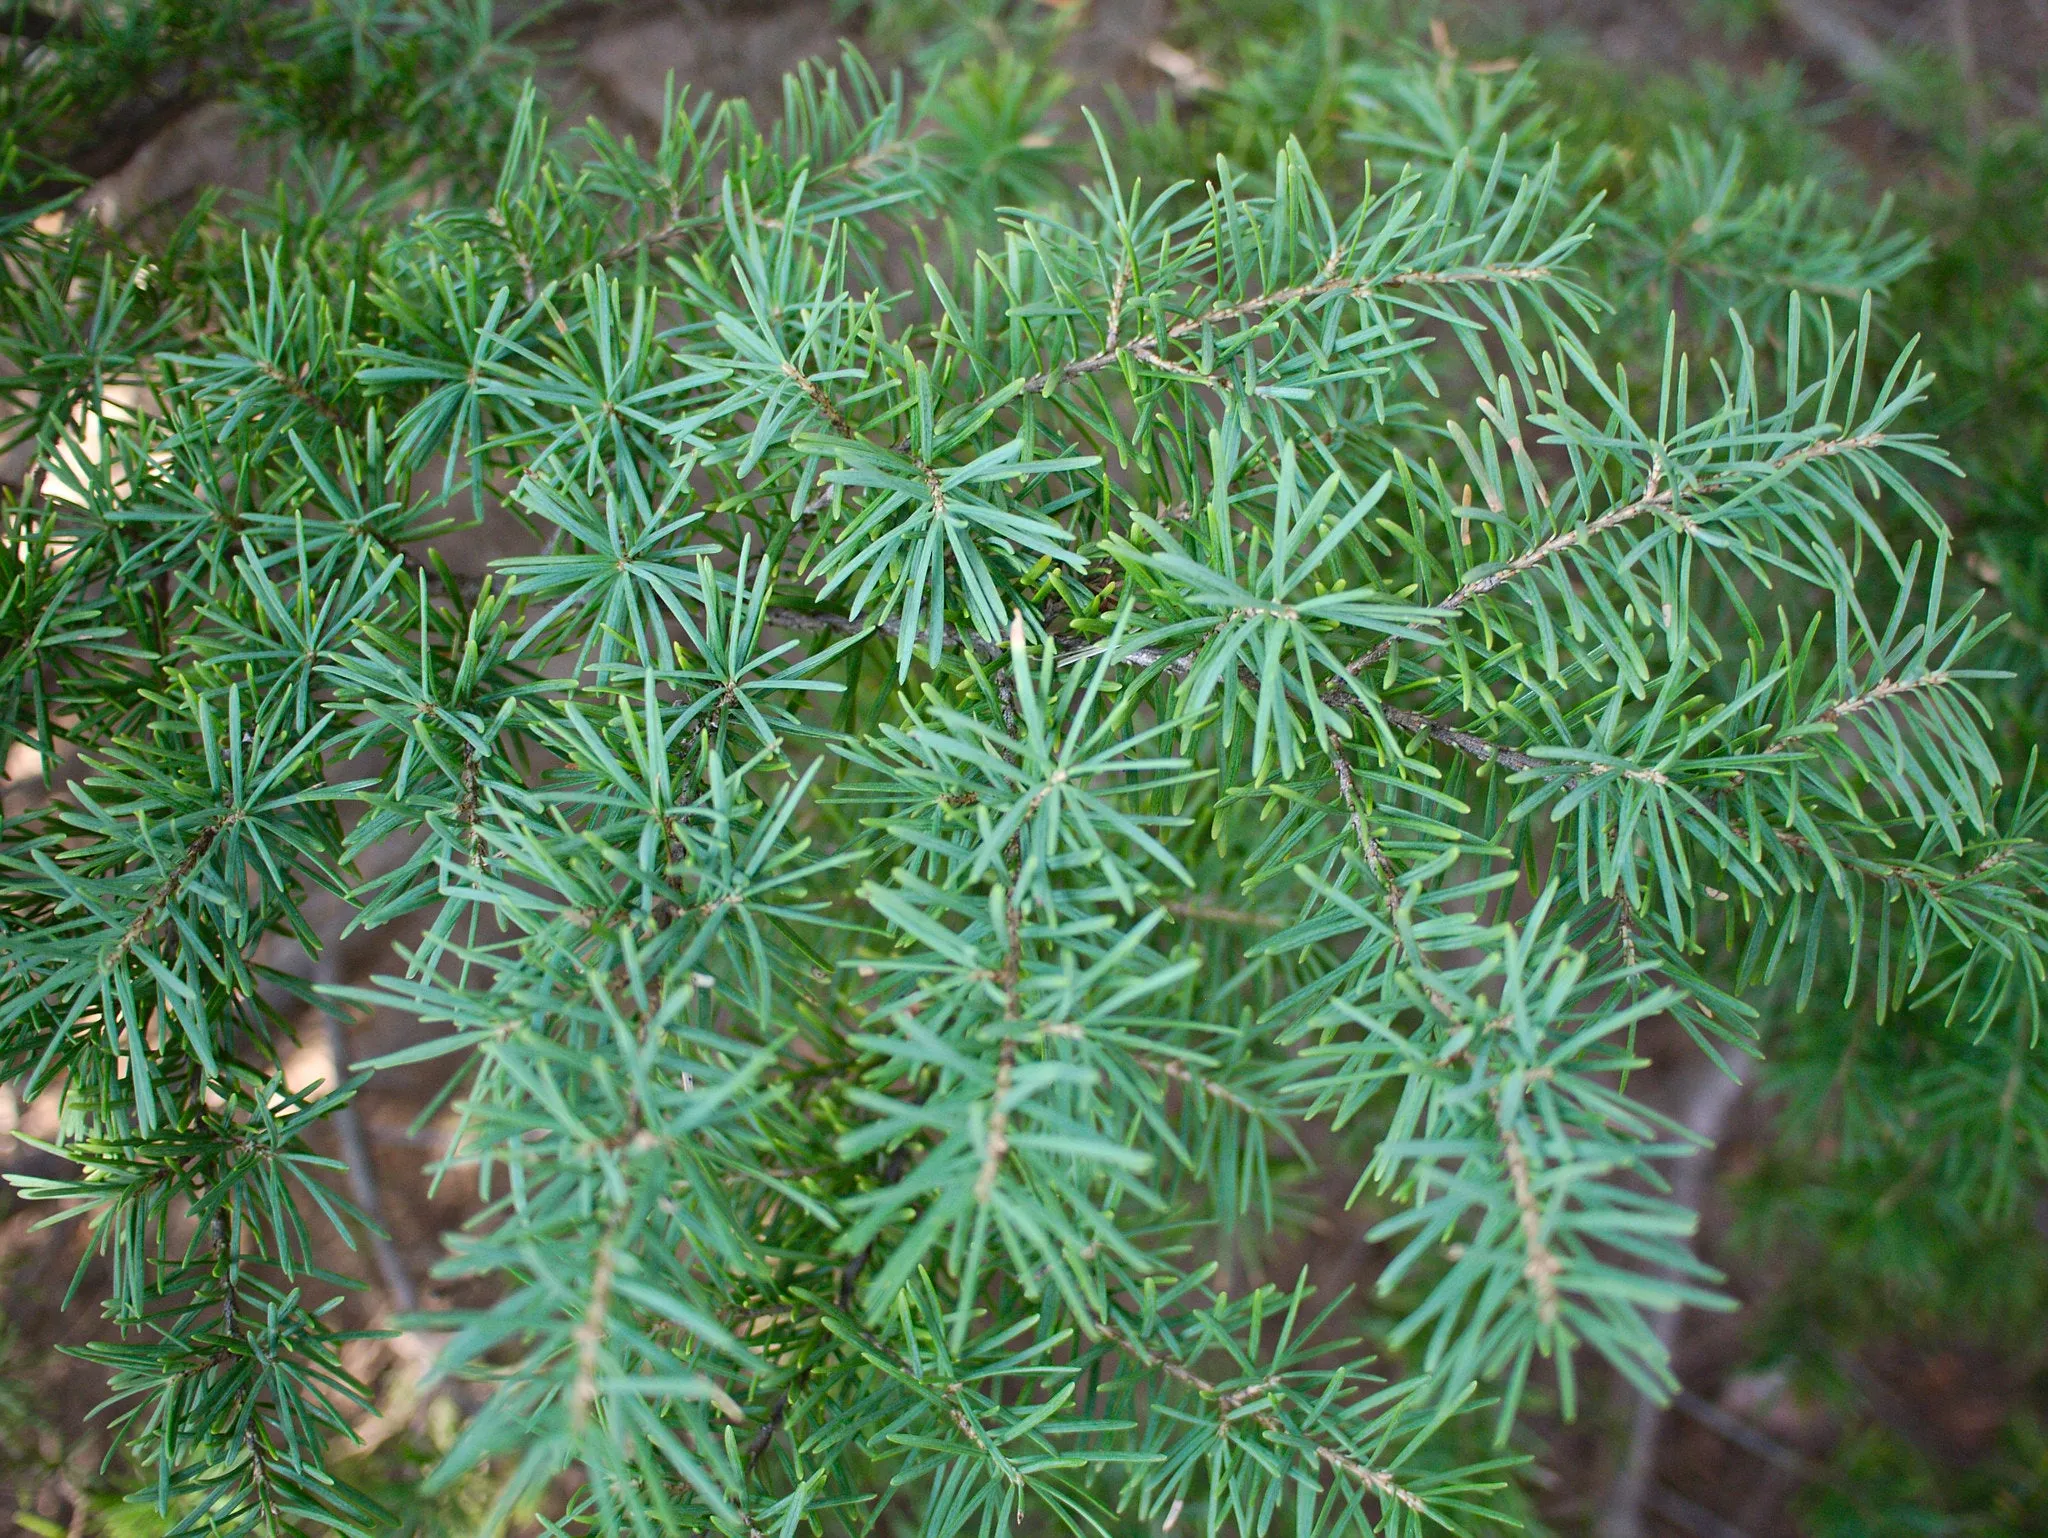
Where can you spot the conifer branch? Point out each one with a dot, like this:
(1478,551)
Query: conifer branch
(1870,698)
(1200,911)
(1046,1098)
(1653,499)
(146,917)
(996,1141)
(1258,306)
(1543,1266)
(296,387)
(1379,1481)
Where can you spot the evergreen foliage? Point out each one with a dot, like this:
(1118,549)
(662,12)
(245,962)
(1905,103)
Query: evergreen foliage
(1002,741)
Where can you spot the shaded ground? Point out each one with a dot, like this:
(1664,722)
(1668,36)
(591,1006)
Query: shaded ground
(1736,1447)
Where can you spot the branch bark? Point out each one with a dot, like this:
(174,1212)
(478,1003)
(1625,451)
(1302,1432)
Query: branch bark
(1713,1099)
(1380,1482)
(1324,284)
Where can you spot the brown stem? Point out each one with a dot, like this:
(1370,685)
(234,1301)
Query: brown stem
(296,387)
(1200,911)
(465,809)
(1325,283)
(1654,499)
(1382,868)
(1378,1481)
(1542,1266)
(1471,744)
(145,919)
(231,1324)
(997,1144)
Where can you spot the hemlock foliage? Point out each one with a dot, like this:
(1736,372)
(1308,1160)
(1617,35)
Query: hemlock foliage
(1001,738)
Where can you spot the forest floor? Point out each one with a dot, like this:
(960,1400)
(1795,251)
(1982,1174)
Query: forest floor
(1735,1448)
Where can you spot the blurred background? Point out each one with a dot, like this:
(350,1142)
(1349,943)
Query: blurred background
(1876,1196)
